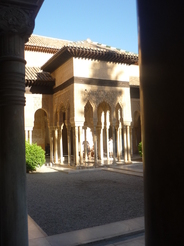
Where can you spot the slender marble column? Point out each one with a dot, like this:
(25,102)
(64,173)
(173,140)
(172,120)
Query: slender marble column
(61,144)
(76,146)
(125,144)
(95,146)
(30,136)
(51,146)
(56,145)
(128,144)
(101,145)
(117,134)
(120,142)
(69,144)
(16,25)
(85,145)
(114,145)
(131,137)
(107,142)
(80,143)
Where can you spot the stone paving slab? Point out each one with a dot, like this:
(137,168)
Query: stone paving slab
(130,172)
(138,241)
(89,235)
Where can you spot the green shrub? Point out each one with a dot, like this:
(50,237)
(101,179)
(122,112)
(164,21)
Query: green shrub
(35,156)
(140,148)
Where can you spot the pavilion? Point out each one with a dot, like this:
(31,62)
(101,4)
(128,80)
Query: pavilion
(82,95)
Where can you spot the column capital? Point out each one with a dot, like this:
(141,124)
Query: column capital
(17,19)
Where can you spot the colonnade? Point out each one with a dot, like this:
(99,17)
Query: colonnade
(74,142)
(77,136)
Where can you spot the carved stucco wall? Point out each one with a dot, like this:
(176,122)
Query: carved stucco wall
(35,102)
(97,94)
(64,99)
(135,106)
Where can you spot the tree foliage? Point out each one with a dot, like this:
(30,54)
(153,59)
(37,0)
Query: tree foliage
(35,156)
(140,148)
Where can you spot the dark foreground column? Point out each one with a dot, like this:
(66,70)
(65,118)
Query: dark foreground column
(161,57)
(16,24)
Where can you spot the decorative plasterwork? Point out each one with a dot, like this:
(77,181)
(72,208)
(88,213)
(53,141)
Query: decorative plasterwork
(112,97)
(14,19)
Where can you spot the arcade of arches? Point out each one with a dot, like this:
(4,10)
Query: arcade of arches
(81,110)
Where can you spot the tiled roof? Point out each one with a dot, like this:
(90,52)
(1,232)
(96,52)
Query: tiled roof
(35,76)
(77,51)
(45,44)
(83,49)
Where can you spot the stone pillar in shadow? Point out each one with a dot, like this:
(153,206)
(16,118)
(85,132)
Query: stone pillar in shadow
(80,144)
(85,144)
(69,143)
(161,52)
(125,144)
(51,145)
(16,25)
(56,145)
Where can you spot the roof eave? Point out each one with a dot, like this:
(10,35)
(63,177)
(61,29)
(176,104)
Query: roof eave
(56,60)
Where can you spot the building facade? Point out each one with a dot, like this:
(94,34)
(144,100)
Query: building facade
(82,101)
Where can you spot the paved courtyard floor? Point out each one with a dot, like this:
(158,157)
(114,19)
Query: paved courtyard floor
(60,202)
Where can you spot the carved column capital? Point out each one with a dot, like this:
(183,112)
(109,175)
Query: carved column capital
(16,20)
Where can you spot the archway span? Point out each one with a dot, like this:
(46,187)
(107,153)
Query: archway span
(104,126)
(40,130)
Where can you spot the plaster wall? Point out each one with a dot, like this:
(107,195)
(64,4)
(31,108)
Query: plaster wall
(63,73)
(100,69)
(36,59)
(134,78)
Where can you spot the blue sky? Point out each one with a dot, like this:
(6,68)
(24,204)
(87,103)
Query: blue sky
(110,22)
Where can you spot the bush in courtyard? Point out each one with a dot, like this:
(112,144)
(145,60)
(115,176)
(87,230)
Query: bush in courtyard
(35,156)
(140,148)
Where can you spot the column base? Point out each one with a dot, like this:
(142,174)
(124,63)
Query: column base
(128,162)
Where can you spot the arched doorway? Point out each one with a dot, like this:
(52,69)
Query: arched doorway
(104,130)
(41,130)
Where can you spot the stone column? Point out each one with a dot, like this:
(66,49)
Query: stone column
(131,145)
(95,146)
(101,145)
(117,134)
(128,145)
(98,130)
(125,144)
(30,136)
(161,73)
(107,142)
(76,146)
(69,144)
(120,142)
(16,24)
(56,145)
(80,144)
(51,146)
(61,144)
(114,145)
(85,145)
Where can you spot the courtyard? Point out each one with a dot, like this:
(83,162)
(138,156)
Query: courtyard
(59,202)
